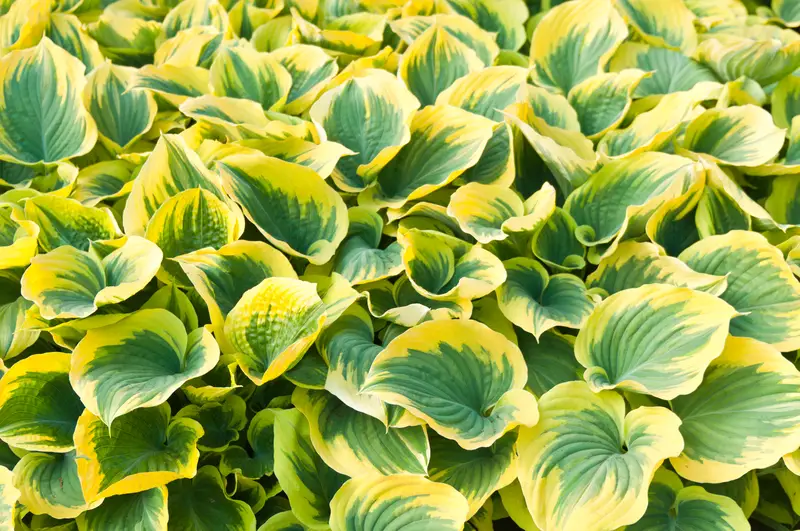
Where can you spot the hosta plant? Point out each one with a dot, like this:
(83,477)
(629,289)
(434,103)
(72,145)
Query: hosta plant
(399,265)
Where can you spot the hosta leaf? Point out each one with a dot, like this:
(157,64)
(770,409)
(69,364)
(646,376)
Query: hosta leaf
(739,136)
(141,451)
(49,484)
(623,194)
(222,276)
(189,221)
(307,481)
(652,130)
(272,326)
(191,13)
(767,308)
(749,396)
(568,154)
(550,360)
(190,47)
(445,141)
(67,32)
(122,116)
(322,157)
(685,331)
(359,258)
(476,474)
(311,69)
(64,221)
(355,444)
(349,348)
(38,408)
(174,83)
(285,521)
(394,502)
(260,460)
(125,40)
(146,509)
(176,302)
(23,23)
(785,101)
(667,24)
(487,92)
(240,72)
(102,181)
(18,237)
(138,362)
(588,465)
(601,101)
(14,339)
(171,168)
(671,71)
(536,301)
(462,405)
(764,60)
(442,267)
(486,212)
(411,28)
(67,282)
(277,195)
(574,41)
(221,422)
(49,122)
(555,243)
(8,499)
(673,506)
(635,264)
(311,371)
(434,61)
(201,504)
(382,107)
(504,18)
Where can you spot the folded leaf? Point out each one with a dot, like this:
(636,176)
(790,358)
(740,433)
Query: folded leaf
(311,69)
(308,482)
(67,282)
(272,326)
(222,276)
(360,259)
(669,24)
(536,301)
(603,100)
(445,141)
(122,116)
(442,267)
(635,264)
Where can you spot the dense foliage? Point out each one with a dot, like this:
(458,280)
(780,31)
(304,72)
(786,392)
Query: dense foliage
(399,265)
